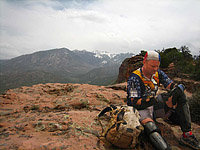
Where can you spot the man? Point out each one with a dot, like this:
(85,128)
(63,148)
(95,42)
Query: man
(141,94)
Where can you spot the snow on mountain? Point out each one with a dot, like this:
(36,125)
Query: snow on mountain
(104,62)
(103,57)
(100,54)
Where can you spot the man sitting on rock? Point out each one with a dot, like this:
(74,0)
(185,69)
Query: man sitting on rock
(141,94)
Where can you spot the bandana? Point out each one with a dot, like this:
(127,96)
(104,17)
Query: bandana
(152,55)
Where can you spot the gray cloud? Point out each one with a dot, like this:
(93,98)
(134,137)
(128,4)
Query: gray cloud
(115,25)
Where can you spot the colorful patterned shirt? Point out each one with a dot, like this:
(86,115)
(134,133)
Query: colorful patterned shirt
(139,87)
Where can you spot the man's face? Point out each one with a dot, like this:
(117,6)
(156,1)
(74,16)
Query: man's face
(151,66)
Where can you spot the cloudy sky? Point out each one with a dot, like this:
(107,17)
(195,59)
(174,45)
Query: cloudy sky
(116,26)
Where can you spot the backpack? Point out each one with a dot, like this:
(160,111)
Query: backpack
(122,128)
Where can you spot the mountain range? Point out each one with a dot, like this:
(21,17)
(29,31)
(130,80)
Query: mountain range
(61,65)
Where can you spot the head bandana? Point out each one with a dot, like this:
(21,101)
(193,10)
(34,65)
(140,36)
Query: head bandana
(152,55)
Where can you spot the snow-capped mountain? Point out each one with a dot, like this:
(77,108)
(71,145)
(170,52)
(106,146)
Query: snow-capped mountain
(59,65)
(104,57)
(101,54)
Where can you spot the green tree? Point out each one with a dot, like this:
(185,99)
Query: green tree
(142,52)
(168,56)
(183,60)
(186,52)
(196,72)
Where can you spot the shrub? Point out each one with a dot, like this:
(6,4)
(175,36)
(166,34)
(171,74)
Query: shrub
(194,104)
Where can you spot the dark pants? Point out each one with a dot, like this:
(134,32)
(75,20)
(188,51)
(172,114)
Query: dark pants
(177,106)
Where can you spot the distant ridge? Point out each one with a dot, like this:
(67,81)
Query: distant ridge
(60,65)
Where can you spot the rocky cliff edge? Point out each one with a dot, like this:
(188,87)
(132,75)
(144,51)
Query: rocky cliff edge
(63,116)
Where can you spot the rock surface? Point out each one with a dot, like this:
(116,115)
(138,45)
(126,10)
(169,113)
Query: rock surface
(128,66)
(63,116)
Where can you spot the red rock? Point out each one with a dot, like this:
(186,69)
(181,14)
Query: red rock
(60,116)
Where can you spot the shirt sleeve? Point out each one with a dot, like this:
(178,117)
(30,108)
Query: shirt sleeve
(164,79)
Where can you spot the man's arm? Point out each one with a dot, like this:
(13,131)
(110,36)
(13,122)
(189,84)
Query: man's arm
(165,80)
(144,102)
(176,90)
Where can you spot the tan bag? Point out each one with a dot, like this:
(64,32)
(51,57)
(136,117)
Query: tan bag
(123,127)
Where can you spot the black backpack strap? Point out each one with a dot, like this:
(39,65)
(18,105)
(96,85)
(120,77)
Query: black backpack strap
(107,109)
(120,117)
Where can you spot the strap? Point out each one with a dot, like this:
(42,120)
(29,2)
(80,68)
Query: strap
(107,109)
(120,117)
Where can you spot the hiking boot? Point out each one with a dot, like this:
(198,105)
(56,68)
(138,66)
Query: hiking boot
(190,141)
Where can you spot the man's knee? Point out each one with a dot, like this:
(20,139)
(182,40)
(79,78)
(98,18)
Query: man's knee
(178,95)
(179,99)
(151,127)
(176,99)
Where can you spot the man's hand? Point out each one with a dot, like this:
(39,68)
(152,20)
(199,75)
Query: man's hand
(181,87)
(178,90)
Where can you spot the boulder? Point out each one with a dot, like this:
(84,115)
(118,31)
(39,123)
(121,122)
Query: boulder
(128,66)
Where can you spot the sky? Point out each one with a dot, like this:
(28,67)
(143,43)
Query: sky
(115,26)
